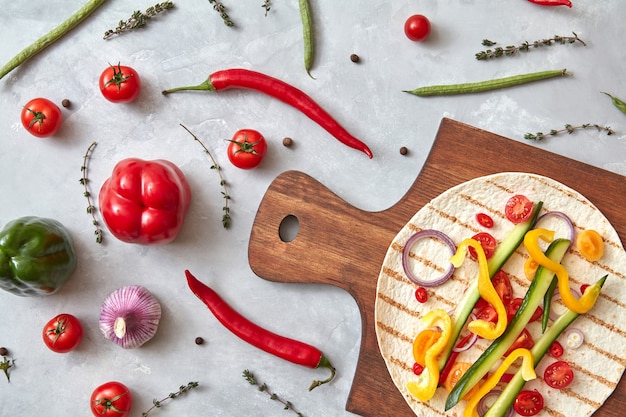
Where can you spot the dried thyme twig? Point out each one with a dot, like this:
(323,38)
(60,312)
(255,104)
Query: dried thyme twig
(221,9)
(138,19)
(266,5)
(159,403)
(569,129)
(91,209)
(215,166)
(525,46)
(263,387)
(5,365)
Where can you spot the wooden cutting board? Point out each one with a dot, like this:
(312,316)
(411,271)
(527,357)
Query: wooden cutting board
(341,245)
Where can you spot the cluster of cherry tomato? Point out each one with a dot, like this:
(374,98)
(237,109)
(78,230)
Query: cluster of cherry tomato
(122,84)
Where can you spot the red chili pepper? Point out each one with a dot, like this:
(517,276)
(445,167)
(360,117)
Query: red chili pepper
(552,2)
(448,366)
(252,80)
(289,349)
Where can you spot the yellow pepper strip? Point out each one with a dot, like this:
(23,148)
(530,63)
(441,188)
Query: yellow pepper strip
(531,242)
(528,373)
(483,328)
(424,388)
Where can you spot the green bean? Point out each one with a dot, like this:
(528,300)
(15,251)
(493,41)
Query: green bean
(478,87)
(307,35)
(617,103)
(47,39)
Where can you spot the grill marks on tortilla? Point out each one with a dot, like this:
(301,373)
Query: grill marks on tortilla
(397,311)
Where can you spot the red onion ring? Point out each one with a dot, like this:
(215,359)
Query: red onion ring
(574,338)
(568,222)
(427,233)
(485,403)
(470,342)
(556,297)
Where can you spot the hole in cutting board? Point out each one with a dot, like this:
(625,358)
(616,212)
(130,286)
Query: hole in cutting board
(288,229)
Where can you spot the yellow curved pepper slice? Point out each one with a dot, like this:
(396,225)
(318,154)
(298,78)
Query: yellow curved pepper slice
(528,373)
(424,388)
(531,242)
(483,328)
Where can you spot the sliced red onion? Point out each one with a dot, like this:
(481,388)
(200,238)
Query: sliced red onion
(130,316)
(487,401)
(574,338)
(466,346)
(568,222)
(428,233)
(553,314)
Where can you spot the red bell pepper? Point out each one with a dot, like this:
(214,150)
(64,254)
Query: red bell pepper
(145,202)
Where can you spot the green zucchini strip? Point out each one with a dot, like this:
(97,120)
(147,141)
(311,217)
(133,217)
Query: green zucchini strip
(532,299)
(505,400)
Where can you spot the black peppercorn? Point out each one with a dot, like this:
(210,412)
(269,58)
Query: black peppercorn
(199,340)
(4,351)
(287,142)
(354,58)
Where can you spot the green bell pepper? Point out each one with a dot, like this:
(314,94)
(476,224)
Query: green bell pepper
(36,256)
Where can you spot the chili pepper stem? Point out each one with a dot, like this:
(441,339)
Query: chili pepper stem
(324,363)
(204,86)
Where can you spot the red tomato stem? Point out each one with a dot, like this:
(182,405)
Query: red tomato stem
(278,89)
(291,350)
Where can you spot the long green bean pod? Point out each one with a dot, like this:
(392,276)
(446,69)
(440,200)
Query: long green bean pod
(307,35)
(47,39)
(481,86)
(619,104)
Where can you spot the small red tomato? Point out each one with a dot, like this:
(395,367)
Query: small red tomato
(111,399)
(41,117)
(528,403)
(484,220)
(487,242)
(417,27)
(556,350)
(421,294)
(558,375)
(518,209)
(120,84)
(247,149)
(63,333)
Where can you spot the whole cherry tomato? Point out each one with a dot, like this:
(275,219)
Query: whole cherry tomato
(63,333)
(120,84)
(41,117)
(111,399)
(247,149)
(417,27)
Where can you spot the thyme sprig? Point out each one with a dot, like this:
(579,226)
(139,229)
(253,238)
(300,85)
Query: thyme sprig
(249,376)
(511,50)
(266,5)
(569,129)
(138,19)
(159,403)
(5,365)
(91,209)
(215,166)
(221,9)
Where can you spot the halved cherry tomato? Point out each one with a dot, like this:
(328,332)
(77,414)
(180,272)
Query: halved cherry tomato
(530,268)
(488,243)
(502,283)
(528,403)
(484,220)
(556,350)
(487,313)
(524,340)
(518,209)
(514,306)
(421,294)
(558,375)
(424,340)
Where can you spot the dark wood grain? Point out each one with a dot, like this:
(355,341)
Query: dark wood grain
(341,245)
